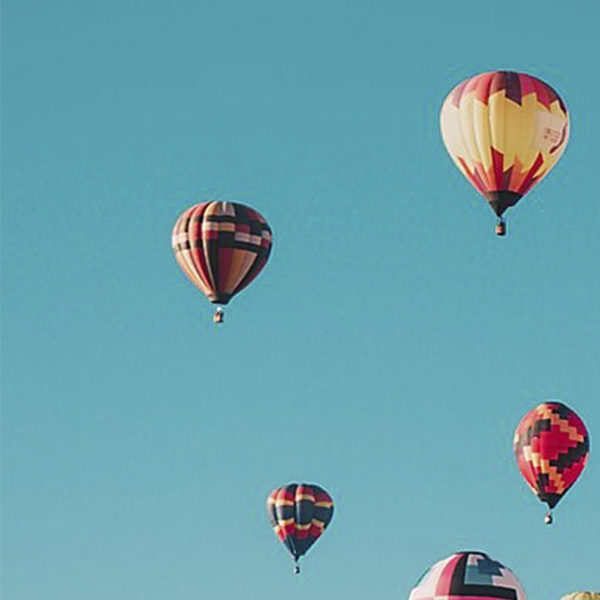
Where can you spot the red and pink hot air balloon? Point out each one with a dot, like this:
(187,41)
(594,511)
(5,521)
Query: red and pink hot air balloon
(552,446)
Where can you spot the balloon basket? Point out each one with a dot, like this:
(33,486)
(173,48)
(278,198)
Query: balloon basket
(218,316)
(501,228)
(549,519)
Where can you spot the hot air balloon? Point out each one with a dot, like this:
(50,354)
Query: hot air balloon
(504,131)
(551,445)
(468,576)
(299,513)
(222,247)
(582,596)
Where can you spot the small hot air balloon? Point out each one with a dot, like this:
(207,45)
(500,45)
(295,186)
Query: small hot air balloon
(299,513)
(582,596)
(504,131)
(222,247)
(468,576)
(551,445)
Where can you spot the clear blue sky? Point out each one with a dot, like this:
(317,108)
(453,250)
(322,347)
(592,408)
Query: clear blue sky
(387,351)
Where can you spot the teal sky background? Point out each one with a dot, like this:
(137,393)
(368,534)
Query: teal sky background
(388,350)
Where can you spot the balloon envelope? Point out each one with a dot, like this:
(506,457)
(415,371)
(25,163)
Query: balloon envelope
(299,513)
(582,596)
(551,446)
(468,576)
(504,131)
(221,247)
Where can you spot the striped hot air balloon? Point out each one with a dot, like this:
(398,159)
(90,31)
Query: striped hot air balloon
(299,513)
(221,247)
(504,131)
(552,446)
(468,576)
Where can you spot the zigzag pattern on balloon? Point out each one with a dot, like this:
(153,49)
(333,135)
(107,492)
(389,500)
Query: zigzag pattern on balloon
(504,131)
(551,445)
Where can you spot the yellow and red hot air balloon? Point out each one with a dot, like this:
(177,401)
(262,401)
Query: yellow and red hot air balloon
(504,131)
(582,596)
(221,247)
